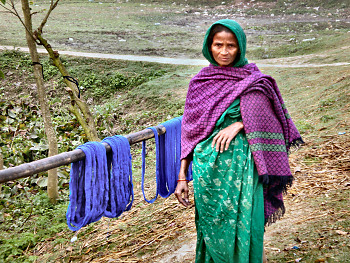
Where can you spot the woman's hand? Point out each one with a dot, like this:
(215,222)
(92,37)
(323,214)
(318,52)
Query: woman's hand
(225,136)
(181,191)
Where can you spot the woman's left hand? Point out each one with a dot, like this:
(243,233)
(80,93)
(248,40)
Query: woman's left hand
(225,136)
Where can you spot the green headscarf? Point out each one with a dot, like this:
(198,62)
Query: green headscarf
(242,42)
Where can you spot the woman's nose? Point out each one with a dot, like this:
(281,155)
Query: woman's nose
(224,51)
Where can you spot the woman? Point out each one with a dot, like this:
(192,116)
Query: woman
(237,131)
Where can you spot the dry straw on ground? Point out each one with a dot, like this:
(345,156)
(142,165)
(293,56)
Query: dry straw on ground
(149,232)
(320,168)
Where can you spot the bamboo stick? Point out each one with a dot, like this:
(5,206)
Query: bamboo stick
(29,169)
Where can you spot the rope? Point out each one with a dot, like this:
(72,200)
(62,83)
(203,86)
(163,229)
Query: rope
(168,153)
(100,185)
(73,80)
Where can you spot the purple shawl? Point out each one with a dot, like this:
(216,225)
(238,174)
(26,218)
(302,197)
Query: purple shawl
(269,129)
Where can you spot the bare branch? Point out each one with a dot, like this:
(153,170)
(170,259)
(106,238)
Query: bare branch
(14,12)
(52,7)
(8,9)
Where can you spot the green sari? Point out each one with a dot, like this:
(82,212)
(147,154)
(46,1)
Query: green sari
(229,200)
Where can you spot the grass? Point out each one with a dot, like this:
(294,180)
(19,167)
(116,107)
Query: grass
(317,98)
(318,234)
(24,223)
(177,28)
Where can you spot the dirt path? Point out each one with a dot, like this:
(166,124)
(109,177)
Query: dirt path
(288,62)
(186,250)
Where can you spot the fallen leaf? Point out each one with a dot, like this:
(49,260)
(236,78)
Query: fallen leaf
(340,232)
(297,169)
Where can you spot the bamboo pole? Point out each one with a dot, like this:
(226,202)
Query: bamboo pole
(29,169)
(1,167)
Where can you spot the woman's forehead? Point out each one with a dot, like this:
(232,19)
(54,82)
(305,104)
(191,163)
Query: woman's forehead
(223,35)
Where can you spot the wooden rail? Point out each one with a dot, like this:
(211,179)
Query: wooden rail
(28,169)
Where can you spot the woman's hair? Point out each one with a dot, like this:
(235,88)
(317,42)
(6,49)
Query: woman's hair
(217,29)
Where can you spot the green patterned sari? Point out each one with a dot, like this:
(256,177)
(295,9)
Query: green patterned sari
(229,199)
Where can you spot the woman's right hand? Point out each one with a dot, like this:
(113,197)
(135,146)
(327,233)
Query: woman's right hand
(181,193)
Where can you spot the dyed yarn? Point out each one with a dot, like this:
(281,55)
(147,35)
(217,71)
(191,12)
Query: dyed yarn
(100,185)
(121,193)
(168,151)
(88,187)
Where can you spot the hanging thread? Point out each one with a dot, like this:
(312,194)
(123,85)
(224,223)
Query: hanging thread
(88,187)
(144,167)
(168,161)
(101,184)
(121,193)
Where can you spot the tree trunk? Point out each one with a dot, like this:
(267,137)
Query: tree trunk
(52,185)
(78,106)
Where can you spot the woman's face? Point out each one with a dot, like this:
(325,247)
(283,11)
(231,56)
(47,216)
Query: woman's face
(224,48)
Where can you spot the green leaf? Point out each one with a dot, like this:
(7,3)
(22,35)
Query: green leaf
(33,136)
(42,181)
(11,114)
(2,76)
(3,2)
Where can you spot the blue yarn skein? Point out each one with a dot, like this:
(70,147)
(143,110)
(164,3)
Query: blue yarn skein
(144,167)
(168,159)
(121,194)
(88,187)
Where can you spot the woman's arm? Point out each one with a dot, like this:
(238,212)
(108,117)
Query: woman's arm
(225,136)
(181,191)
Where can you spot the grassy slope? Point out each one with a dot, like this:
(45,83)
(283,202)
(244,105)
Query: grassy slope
(318,99)
(177,28)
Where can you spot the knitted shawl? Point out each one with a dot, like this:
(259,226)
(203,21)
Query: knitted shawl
(269,129)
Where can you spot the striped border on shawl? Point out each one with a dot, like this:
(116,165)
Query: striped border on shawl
(265,135)
(268,147)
